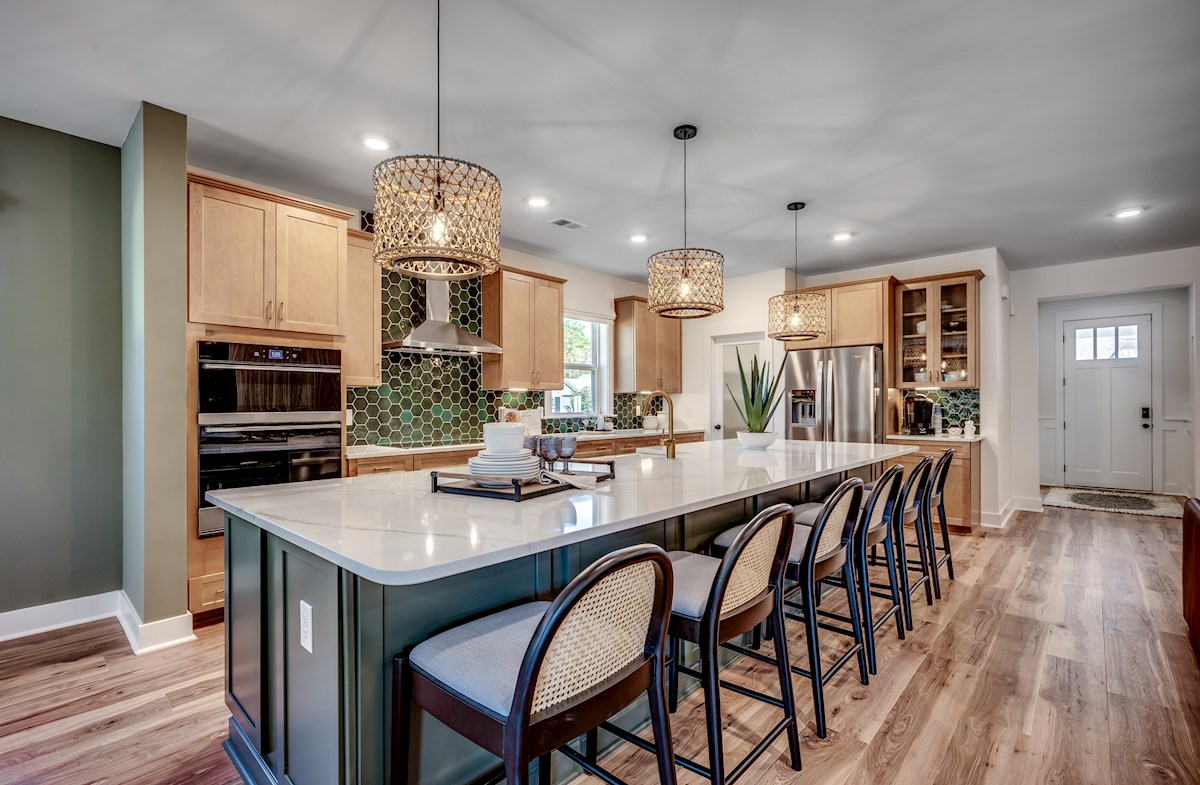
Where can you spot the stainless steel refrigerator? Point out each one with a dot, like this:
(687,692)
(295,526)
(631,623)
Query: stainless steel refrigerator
(835,395)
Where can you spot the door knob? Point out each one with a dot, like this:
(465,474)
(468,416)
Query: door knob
(1145,425)
(717,427)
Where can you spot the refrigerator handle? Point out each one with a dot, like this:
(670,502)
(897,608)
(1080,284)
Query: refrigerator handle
(820,404)
(830,410)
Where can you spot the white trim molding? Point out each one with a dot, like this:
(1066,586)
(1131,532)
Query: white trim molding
(999,520)
(56,615)
(152,636)
(1176,435)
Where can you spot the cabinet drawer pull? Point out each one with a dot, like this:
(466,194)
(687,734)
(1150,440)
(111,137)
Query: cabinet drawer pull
(269,311)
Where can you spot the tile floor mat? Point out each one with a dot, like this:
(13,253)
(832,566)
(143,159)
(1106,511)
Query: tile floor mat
(1132,502)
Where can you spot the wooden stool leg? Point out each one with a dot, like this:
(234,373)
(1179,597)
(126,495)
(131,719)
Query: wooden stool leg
(814,656)
(868,620)
(401,711)
(785,683)
(712,711)
(661,725)
(946,540)
(855,619)
(544,771)
(673,673)
(897,595)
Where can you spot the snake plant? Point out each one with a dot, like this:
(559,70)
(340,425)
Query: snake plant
(759,401)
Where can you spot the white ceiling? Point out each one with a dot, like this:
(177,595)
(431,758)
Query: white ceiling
(924,126)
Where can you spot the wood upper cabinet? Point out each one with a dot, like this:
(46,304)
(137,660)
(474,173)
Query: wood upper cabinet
(258,260)
(937,331)
(648,349)
(523,314)
(231,258)
(858,314)
(362,358)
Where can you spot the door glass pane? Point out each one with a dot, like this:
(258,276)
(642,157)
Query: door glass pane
(1106,343)
(914,326)
(1127,343)
(1084,344)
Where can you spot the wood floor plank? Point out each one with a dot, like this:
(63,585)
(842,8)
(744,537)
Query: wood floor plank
(1071,725)
(969,635)
(1149,744)
(1006,691)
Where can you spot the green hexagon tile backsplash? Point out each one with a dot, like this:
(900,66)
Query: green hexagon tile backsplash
(958,406)
(430,400)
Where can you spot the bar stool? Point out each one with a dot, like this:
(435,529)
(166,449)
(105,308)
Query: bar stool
(817,552)
(715,601)
(525,681)
(935,500)
(911,498)
(875,531)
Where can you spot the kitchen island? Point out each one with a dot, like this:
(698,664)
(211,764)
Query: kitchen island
(326,581)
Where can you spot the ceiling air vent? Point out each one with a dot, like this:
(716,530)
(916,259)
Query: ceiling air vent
(567,223)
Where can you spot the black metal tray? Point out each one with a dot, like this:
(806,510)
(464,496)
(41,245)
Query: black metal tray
(464,484)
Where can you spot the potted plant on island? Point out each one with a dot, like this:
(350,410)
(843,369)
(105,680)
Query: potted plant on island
(758,403)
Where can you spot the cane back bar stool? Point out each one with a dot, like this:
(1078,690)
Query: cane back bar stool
(818,552)
(935,501)
(910,512)
(717,600)
(874,532)
(524,682)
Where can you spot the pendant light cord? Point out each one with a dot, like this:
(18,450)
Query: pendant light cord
(685,243)
(438,49)
(796,246)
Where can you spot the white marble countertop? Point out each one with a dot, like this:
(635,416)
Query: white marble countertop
(360,451)
(389,528)
(945,437)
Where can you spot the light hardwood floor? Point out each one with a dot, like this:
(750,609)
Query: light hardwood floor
(1058,656)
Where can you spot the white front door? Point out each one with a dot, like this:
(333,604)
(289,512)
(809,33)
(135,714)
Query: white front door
(1107,393)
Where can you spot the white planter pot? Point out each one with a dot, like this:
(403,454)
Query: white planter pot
(755,441)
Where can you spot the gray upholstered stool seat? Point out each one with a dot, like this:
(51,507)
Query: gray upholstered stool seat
(795,552)
(693,577)
(480,660)
(806,514)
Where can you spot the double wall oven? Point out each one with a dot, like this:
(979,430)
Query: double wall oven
(266,415)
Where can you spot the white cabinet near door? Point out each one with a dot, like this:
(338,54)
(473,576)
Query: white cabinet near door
(1108,416)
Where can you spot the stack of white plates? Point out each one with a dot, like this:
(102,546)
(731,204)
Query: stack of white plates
(521,464)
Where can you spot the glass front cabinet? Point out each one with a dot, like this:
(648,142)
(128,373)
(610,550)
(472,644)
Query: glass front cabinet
(937,332)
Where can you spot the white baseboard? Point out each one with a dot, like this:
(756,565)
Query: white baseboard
(1000,520)
(145,637)
(56,615)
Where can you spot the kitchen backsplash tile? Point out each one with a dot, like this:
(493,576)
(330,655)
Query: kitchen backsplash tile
(427,400)
(958,406)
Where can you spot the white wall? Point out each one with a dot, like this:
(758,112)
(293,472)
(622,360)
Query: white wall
(586,292)
(1131,276)
(745,312)
(996,473)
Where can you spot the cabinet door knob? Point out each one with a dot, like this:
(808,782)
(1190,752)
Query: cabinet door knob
(269,311)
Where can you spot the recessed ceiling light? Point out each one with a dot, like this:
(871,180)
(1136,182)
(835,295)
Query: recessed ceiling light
(637,238)
(841,237)
(374,142)
(537,201)
(1127,212)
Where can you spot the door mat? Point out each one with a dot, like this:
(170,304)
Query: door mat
(1132,502)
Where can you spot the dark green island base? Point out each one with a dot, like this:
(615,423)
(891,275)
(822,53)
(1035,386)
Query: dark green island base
(323,718)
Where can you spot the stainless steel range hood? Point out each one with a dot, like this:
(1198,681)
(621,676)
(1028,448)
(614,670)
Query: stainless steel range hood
(436,335)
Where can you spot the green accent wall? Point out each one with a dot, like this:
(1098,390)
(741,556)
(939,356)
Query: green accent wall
(60,355)
(154,320)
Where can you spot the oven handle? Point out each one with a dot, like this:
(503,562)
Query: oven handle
(331,458)
(221,365)
(244,428)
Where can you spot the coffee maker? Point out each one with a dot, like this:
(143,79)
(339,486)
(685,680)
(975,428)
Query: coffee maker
(918,415)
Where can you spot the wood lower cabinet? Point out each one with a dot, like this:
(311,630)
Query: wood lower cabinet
(648,349)
(362,359)
(962,483)
(263,261)
(523,314)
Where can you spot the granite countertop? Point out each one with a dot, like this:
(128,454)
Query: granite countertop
(390,529)
(934,438)
(359,451)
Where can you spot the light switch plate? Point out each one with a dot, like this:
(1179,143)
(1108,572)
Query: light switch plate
(306,630)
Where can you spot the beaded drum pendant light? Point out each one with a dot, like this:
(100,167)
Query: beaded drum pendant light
(796,316)
(437,217)
(686,283)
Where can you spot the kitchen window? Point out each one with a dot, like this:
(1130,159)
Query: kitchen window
(586,383)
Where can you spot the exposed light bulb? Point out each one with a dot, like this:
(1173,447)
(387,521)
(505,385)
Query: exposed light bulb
(685,288)
(437,230)
(795,320)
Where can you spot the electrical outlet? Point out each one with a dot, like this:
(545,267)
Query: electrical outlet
(638,410)
(306,631)
(687,412)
